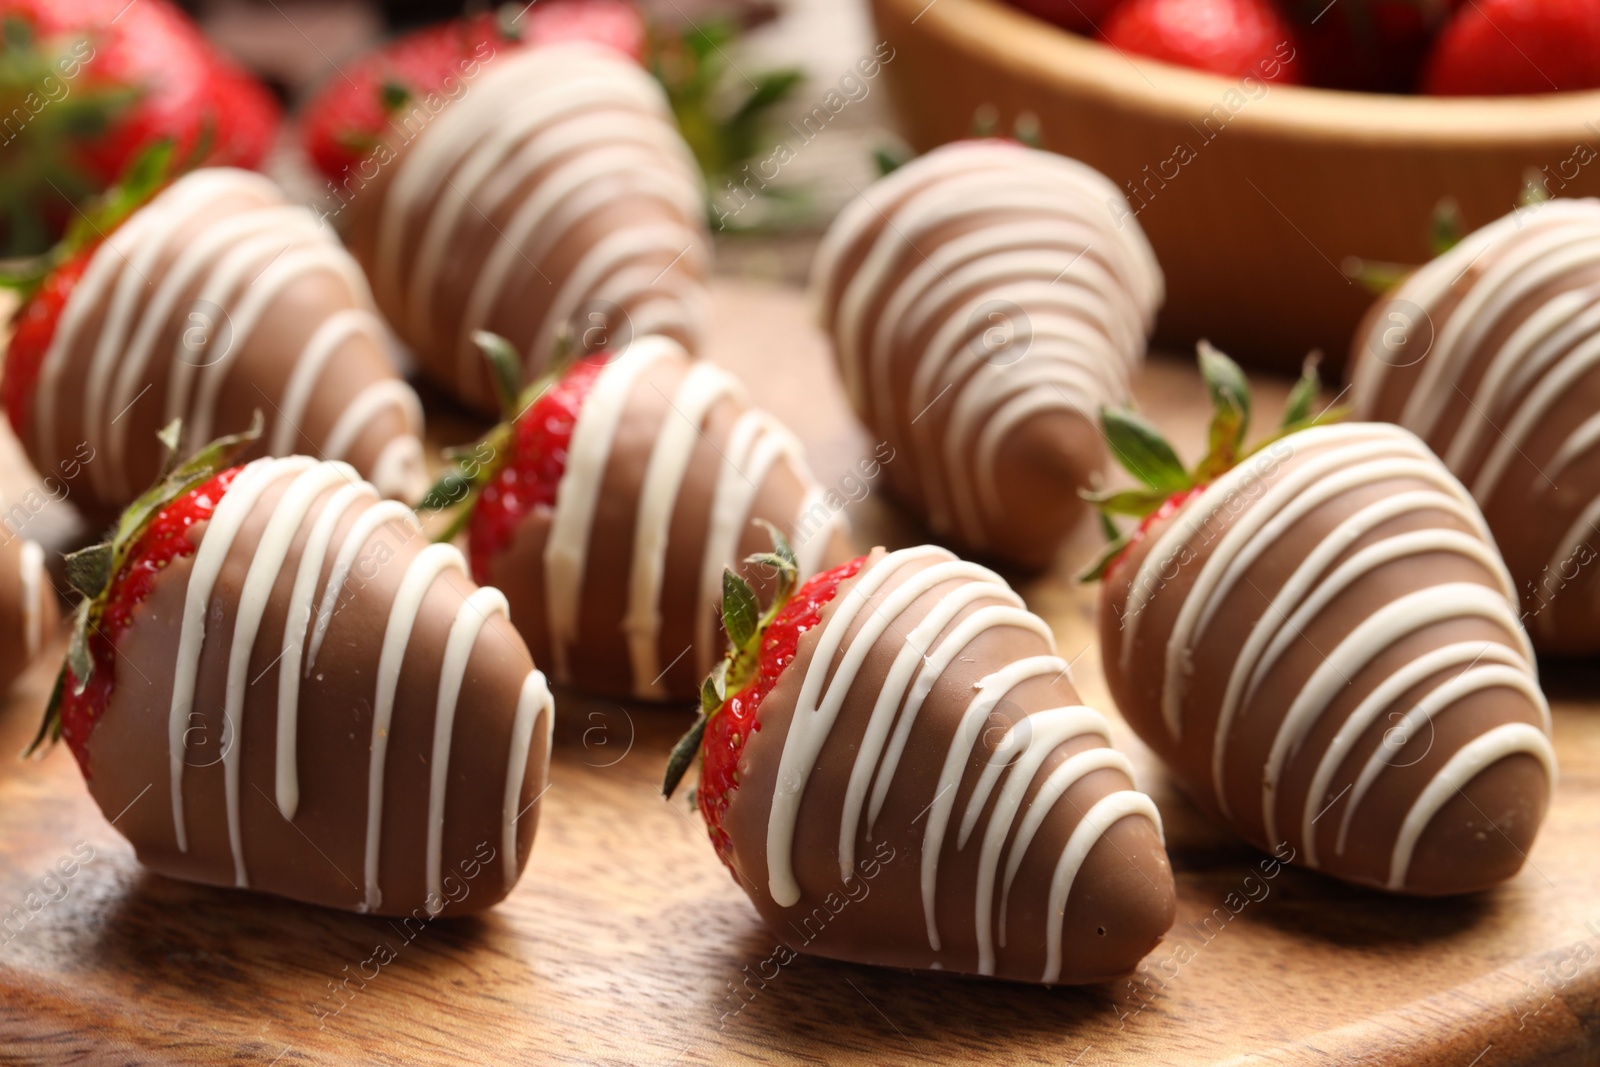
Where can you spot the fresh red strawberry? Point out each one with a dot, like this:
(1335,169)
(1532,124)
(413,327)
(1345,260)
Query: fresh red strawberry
(90,84)
(751,676)
(1503,47)
(1233,38)
(528,479)
(32,331)
(1166,484)
(361,109)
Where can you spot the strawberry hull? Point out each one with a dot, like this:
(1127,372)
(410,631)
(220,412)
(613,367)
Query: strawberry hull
(1008,839)
(397,772)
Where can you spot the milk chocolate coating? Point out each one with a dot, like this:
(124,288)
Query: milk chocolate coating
(554,193)
(1488,354)
(985,302)
(202,792)
(1324,646)
(1010,840)
(668,471)
(215,300)
(28,608)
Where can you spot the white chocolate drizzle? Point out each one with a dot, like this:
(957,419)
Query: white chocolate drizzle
(324,495)
(965,228)
(755,445)
(205,265)
(878,605)
(545,143)
(1498,337)
(1259,507)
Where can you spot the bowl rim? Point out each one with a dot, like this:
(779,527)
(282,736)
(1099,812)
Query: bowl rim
(999,35)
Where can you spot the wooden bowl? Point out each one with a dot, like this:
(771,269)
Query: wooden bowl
(1254,195)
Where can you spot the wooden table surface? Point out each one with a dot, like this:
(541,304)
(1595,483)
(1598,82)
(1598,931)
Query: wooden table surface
(627,943)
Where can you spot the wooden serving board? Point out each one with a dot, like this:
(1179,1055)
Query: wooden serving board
(627,943)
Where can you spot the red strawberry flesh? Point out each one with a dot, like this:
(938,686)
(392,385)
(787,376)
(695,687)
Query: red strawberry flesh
(731,725)
(530,477)
(1169,507)
(35,328)
(167,538)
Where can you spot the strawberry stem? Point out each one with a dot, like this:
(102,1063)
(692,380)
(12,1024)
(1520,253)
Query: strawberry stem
(745,624)
(457,490)
(1141,449)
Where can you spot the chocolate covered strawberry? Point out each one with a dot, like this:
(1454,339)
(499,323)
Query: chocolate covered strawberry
(318,702)
(897,770)
(86,86)
(609,503)
(548,190)
(374,103)
(205,301)
(1320,638)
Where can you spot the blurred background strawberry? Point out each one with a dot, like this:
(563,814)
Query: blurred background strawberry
(86,85)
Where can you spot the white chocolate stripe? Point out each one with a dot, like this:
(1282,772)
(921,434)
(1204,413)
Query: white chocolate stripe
(1513,676)
(872,607)
(266,564)
(335,330)
(296,629)
(221,530)
(702,388)
(470,619)
(1464,654)
(367,524)
(426,568)
(1246,669)
(1474,757)
(978,584)
(1094,825)
(1381,630)
(1037,736)
(533,704)
(578,492)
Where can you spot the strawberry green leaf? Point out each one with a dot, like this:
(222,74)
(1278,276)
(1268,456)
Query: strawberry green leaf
(78,659)
(888,160)
(89,569)
(1142,451)
(683,754)
(392,96)
(1535,189)
(1376,276)
(1108,526)
(1230,404)
(1102,563)
(1304,393)
(50,725)
(741,614)
(1447,226)
(1132,502)
(505,367)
